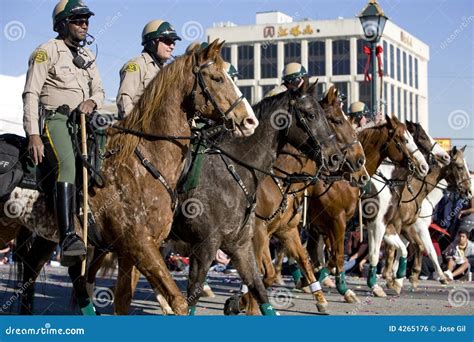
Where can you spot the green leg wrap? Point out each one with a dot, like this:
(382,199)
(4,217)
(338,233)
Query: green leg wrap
(322,274)
(372,277)
(295,272)
(402,267)
(192,311)
(341,285)
(88,310)
(267,310)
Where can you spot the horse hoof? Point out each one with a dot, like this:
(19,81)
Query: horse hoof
(396,285)
(378,291)
(328,282)
(350,297)
(232,306)
(279,281)
(444,281)
(321,302)
(207,292)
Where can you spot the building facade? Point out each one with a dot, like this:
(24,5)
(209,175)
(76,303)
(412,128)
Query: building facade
(333,52)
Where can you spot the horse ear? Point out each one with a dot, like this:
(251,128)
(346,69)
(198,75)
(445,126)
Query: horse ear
(305,86)
(313,89)
(210,51)
(454,151)
(219,46)
(464,148)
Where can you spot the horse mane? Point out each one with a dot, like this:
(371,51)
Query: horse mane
(373,133)
(162,91)
(268,103)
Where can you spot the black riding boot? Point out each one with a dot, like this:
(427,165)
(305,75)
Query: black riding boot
(73,249)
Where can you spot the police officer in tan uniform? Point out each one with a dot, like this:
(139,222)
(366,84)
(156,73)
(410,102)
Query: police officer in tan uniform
(62,76)
(293,74)
(158,40)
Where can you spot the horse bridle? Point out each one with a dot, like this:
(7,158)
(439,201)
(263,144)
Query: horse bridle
(199,81)
(316,142)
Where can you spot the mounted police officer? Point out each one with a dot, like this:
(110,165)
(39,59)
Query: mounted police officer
(62,76)
(358,112)
(158,40)
(292,78)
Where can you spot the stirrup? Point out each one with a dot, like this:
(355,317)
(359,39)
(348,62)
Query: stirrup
(73,250)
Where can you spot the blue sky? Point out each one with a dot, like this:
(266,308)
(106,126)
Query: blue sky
(118,24)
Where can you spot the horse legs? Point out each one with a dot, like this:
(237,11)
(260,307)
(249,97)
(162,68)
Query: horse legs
(396,241)
(291,239)
(375,232)
(200,261)
(243,259)
(336,237)
(150,263)
(126,284)
(32,261)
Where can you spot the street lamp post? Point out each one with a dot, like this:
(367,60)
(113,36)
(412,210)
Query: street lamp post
(373,22)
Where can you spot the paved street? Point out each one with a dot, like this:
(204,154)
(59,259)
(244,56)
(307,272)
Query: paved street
(432,298)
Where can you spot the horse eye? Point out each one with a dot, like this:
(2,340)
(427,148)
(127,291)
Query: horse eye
(311,116)
(217,79)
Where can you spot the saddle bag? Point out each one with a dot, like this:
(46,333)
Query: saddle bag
(11,171)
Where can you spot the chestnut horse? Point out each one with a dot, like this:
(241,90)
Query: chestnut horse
(331,205)
(402,220)
(134,210)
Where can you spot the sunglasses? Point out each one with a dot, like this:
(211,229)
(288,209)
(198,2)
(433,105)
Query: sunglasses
(167,41)
(79,22)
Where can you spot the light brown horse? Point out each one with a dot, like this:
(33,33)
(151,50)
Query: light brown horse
(401,221)
(134,211)
(279,206)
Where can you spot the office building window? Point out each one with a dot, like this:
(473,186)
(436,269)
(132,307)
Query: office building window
(399,65)
(341,56)
(225,53)
(405,108)
(417,118)
(269,61)
(412,116)
(385,97)
(292,53)
(416,73)
(247,92)
(385,59)
(392,62)
(361,57)
(410,71)
(399,103)
(317,58)
(405,67)
(245,62)
(364,94)
(392,100)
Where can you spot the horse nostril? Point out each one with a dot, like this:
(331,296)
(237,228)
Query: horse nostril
(360,162)
(424,167)
(249,122)
(365,179)
(335,159)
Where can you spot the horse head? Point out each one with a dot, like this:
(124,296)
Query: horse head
(430,148)
(401,147)
(215,95)
(312,133)
(346,135)
(457,173)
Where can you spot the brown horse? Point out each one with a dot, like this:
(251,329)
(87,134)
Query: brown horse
(401,221)
(331,205)
(134,210)
(279,206)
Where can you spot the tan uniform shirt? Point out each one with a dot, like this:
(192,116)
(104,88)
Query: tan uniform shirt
(277,90)
(53,80)
(134,77)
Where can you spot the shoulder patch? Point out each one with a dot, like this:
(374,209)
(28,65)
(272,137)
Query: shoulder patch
(132,67)
(40,56)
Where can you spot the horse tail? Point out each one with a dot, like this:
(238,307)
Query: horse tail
(22,246)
